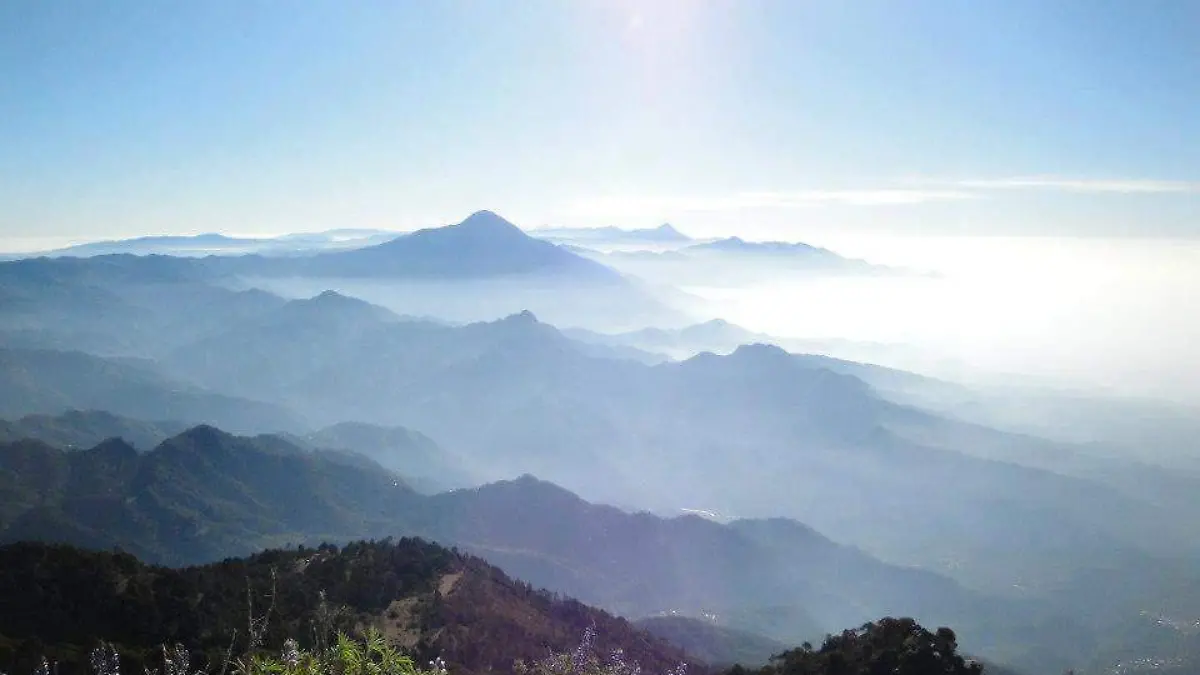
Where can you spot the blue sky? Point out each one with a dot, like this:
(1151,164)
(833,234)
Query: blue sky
(761,118)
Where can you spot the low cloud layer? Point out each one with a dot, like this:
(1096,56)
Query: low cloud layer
(1067,184)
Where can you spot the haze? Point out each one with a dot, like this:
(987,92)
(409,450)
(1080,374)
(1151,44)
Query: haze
(912,122)
(751,322)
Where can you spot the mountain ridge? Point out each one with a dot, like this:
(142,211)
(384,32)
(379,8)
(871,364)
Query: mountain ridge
(665,233)
(431,601)
(483,245)
(40,381)
(205,494)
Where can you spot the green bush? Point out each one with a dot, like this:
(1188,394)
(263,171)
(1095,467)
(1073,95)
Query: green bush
(369,656)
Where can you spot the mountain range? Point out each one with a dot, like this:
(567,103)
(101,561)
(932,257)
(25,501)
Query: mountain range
(46,381)
(798,252)
(732,261)
(82,429)
(425,465)
(204,495)
(612,428)
(689,418)
(483,245)
(480,268)
(663,234)
(201,245)
(533,394)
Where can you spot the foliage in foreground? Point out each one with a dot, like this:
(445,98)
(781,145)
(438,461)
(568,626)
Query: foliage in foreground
(371,655)
(886,647)
(58,601)
(585,660)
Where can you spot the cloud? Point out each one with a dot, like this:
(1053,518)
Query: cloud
(1066,184)
(629,205)
(901,192)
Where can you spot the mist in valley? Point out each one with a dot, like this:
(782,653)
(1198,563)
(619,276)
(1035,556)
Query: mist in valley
(758,325)
(852,403)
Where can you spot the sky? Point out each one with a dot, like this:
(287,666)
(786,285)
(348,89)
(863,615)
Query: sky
(768,119)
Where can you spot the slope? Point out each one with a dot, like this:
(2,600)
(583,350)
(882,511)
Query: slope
(423,463)
(756,433)
(198,496)
(50,382)
(483,245)
(204,495)
(433,601)
(713,643)
(82,429)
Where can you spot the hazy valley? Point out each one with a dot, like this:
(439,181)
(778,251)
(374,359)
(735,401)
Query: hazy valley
(682,468)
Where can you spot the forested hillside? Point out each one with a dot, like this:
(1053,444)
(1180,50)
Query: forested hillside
(58,602)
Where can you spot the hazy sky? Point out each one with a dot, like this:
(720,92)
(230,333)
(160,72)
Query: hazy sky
(958,116)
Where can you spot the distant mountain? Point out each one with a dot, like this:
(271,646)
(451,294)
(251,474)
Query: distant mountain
(82,429)
(362,358)
(118,305)
(729,261)
(479,269)
(663,234)
(204,495)
(332,308)
(615,429)
(191,245)
(425,465)
(739,245)
(716,335)
(638,565)
(722,337)
(422,463)
(201,245)
(484,245)
(198,496)
(799,254)
(344,234)
(853,357)
(431,601)
(51,382)
(713,643)
(757,432)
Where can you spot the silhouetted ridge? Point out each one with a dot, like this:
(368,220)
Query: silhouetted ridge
(483,245)
(761,351)
(531,491)
(202,435)
(739,245)
(756,355)
(329,296)
(332,304)
(115,449)
(523,332)
(329,299)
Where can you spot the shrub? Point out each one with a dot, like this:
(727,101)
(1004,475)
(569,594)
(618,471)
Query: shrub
(347,656)
(370,656)
(585,661)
